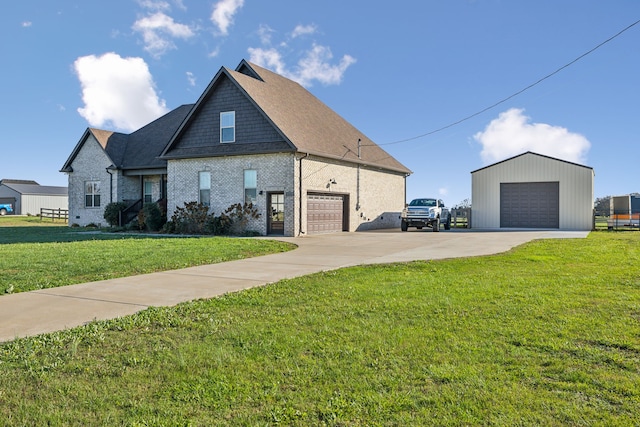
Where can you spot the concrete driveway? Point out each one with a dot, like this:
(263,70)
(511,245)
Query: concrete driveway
(47,310)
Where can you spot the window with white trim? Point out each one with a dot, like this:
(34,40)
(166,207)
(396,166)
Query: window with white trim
(228,126)
(92,194)
(148,191)
(204,179)
(250,186)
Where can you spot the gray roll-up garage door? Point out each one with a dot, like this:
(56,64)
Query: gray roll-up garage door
(324,213)
(530,205)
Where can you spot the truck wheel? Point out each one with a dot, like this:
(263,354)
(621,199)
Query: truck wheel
(403,226)
(436,225)
(3,212)
(447,225)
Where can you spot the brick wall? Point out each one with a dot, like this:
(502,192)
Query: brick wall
(274,174)
(376,205)
(89,165)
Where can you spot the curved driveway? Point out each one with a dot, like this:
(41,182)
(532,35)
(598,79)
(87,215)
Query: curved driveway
(47,310)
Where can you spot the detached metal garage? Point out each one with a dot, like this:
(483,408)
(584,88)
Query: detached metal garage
(533,191)
(29,197)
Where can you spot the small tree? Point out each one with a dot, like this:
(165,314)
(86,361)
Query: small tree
(602,206)
(112,212)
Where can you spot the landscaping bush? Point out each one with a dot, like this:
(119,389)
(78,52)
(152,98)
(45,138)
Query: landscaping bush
(195,218)
(112,212)
(240,215)
(190,219)
(153,220)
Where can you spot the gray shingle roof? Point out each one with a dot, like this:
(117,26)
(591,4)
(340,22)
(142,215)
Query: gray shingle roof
(31,189)
(140,149)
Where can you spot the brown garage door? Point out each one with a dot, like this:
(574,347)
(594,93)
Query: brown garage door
(324,213)
(530,205)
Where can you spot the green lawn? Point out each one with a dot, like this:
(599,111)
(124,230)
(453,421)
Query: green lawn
(37,255)
(546,334)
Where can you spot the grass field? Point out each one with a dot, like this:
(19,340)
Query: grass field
(38,255)
(546,334)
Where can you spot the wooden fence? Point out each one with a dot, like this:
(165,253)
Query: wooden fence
(461,218)
(54,214)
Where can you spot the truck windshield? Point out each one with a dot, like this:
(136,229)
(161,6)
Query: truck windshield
(423,202)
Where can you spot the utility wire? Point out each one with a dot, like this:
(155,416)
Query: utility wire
(515,94)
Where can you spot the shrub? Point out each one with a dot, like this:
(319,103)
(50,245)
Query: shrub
(219,225)
(112,212)
(240,215)
(190,219)
(153,218)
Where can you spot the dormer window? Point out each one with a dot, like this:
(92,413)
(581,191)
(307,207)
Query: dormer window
(228,126)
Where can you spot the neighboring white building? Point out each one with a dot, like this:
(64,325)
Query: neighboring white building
(28,197)
(533,191)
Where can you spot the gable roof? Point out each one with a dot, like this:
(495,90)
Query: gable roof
(35,189)
(533,154)
(138,150)
(306,124)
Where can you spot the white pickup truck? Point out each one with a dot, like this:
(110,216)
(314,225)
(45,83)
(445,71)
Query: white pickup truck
(425,213)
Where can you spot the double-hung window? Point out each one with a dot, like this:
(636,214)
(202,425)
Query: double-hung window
(228,126)
(204,179)
(92,194)
(250,186)
(148,192)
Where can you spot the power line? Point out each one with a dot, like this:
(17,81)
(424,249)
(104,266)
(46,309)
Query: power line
(516,93)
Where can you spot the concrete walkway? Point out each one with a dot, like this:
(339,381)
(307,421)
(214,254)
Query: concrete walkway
(47,310)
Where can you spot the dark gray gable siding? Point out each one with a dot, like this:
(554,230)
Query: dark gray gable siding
(254,133)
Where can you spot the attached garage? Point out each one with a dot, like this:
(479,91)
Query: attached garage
(533,191)
(325,213)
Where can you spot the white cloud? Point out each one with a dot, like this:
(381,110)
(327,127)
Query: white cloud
(512,134)
(27,24)
(154,4)
(265,32)
(314,65)
(268,58)
(443,191)
(302,30)
(191,78)
(117,92)
(223,12)
(157,31)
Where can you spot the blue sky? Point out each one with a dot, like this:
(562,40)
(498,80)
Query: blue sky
(394,70)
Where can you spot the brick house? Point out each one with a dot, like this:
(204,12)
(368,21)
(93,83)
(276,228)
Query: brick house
(252,136)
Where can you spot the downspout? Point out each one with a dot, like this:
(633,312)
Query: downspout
(110,170)
(300,195)
(358,178)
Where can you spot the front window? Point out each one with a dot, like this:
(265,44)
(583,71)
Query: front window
(205,188)
(228,126)
(92,194)
(148,191)
(423,202)
(250,186)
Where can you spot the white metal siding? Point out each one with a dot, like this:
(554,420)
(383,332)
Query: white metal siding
(576,189)
(31,204)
